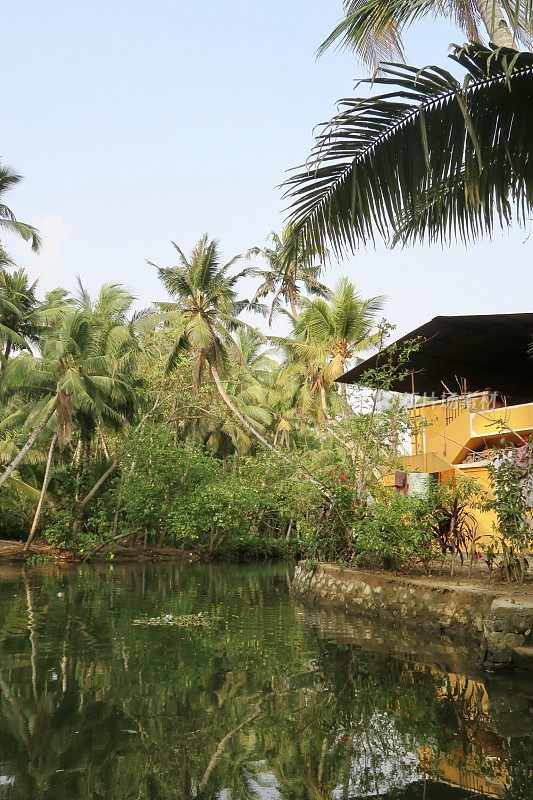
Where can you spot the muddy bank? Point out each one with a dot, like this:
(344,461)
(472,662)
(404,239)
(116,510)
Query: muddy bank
(12,552)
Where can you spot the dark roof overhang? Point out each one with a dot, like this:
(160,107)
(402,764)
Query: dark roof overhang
(489,351)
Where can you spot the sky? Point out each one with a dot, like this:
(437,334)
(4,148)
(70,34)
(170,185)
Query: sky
(138,123)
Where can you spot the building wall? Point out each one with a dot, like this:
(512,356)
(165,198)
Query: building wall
(446,434)
(471,429)
(487,520)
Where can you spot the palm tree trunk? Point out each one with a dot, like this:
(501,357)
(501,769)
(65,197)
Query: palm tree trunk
(495,23)
(292,302)
(33,636)
(347,409)
(255,433)
(29,444)
(198,372)
(100,482)
(221,746)
(76,524)
(324,402)
(46,480)
(197,382)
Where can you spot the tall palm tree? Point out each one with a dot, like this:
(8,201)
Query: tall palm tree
(251,356)
(18,305)
(110,308)
(372,29)
(205,313)
(206,310)
(289,266)
(247,376)
(427,158)
(24,319)
(113,337)
(284,396)
(340,324)
(304,377)
(328,333)
(8,220)
(68,379)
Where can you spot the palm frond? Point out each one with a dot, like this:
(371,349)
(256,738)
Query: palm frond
(372,29)
(182,346)
(470,145)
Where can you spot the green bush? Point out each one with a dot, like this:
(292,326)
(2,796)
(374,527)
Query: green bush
(181,494)
(392,532)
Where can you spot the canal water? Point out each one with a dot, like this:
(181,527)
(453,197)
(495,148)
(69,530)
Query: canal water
(264,699)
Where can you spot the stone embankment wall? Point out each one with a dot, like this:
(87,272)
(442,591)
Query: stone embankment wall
(500,626)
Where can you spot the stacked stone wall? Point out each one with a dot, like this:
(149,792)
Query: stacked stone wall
(499,626)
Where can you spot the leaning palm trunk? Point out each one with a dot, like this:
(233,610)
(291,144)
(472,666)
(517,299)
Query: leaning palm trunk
(21,455)
(495,23)
(80,507)
(255,433)
(236,413)
(292,302)
(46,480)
(221,746)
(82,503)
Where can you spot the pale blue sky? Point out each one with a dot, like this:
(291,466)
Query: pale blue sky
(136,123)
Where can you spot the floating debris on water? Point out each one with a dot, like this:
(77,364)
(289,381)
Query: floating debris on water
(182,621)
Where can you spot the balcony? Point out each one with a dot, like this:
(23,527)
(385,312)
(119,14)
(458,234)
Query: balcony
(452,428)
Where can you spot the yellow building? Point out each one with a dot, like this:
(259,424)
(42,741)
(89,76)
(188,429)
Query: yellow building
(471,387)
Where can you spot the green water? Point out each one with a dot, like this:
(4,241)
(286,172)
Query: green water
(269,701)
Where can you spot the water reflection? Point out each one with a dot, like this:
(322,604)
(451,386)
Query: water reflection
(271,701)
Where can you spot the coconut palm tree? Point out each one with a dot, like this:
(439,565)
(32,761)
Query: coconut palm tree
(18,304)
(283,394)
(69,379)
(24,319)
(206,310)
(304,376)
(289,266)
(327,334)
(8,220)
(113,337)
(372,29)
(428,158)
(339,325)
(109,309)
(247,377)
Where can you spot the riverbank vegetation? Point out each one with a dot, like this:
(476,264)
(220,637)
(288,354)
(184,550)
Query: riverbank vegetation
(181,423)
(184,424)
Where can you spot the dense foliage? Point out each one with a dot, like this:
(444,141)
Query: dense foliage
(184,425)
